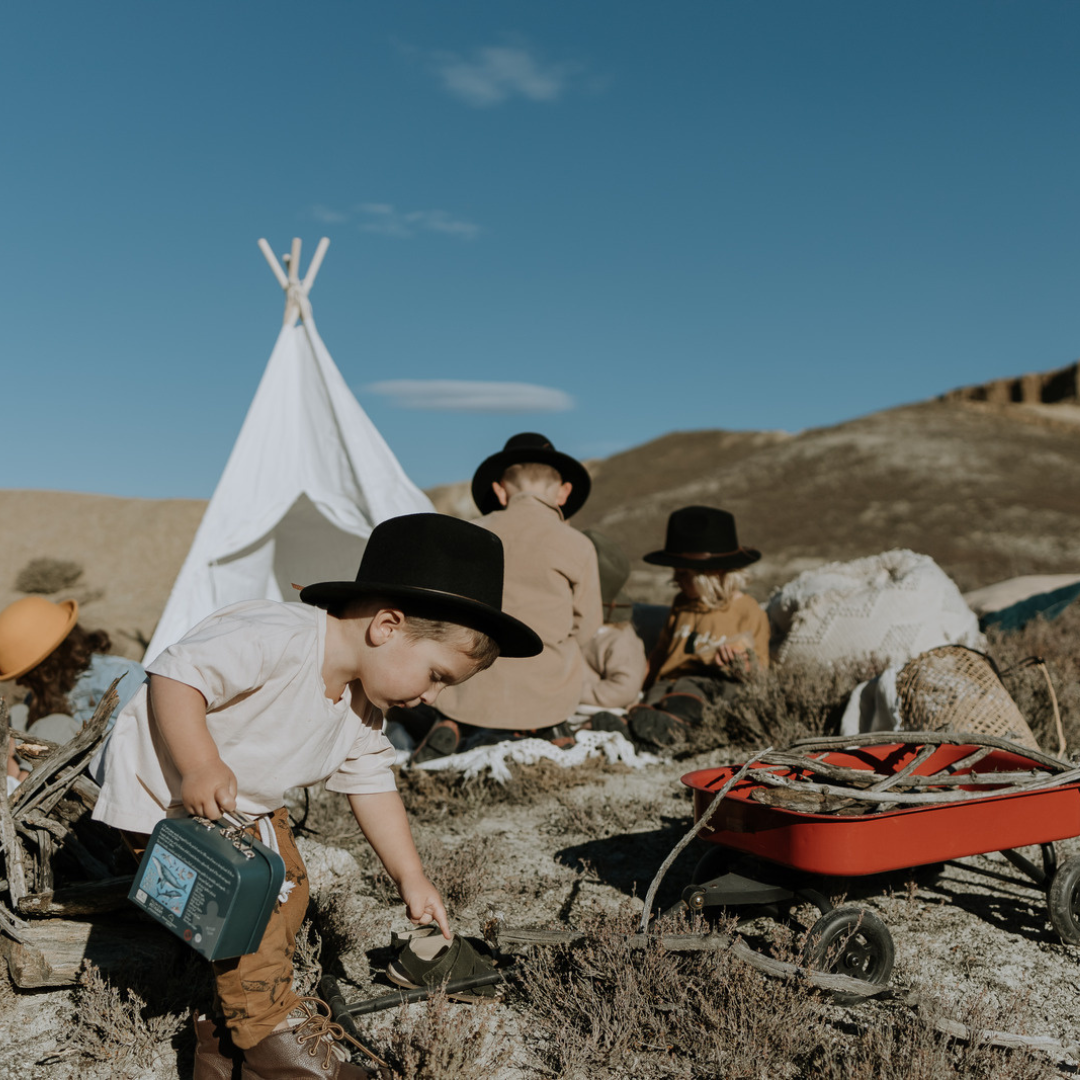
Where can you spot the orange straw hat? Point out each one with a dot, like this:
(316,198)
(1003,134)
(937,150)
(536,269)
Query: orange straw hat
(30,629)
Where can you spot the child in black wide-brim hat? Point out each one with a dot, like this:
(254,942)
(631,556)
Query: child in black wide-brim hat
(715,635)
(264,696)
(526,491)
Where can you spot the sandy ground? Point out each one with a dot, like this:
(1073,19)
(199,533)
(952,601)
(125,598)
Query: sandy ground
(975,935)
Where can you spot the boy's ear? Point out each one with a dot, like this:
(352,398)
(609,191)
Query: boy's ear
(500,492)
(384,623)
(563,493)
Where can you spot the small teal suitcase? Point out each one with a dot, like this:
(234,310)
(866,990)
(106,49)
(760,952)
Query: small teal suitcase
(210,883)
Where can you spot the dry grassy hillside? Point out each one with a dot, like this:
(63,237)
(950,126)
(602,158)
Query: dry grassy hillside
(988,491)
(130,551)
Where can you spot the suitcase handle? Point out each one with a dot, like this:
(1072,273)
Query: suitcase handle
(231,825)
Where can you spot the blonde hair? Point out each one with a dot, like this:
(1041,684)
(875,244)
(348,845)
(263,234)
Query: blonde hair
(481,648)
(717,588)
(530,474)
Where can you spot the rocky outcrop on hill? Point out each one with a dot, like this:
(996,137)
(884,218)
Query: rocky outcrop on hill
(1034,388)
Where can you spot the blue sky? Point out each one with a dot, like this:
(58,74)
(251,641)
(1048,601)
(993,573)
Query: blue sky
(759,214)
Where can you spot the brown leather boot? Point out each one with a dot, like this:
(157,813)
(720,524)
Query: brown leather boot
(216,1058)
(311,1048)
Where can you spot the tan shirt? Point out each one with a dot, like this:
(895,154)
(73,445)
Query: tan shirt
(552,584)
(615,666)
(258,664)
(693,633)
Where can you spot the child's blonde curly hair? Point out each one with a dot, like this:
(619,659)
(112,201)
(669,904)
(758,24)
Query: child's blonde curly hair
(717,588)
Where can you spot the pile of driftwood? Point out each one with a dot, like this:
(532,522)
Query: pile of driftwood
(59,866)
(812,786)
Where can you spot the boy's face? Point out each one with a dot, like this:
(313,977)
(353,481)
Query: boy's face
(406,671)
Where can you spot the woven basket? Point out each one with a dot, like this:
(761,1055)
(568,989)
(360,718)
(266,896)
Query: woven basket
(951,688)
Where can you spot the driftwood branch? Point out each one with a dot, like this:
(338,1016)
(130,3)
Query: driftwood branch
(921,738)
(702,943)
(922,798)
(902,774)
(49,782)
(13,853)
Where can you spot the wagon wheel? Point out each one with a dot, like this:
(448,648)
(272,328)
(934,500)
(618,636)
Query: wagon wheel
(715,861)
(850,941)
(1063,899)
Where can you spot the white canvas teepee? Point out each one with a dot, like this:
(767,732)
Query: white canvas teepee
(308,479)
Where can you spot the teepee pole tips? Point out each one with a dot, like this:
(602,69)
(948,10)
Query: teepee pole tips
(316,262)
(294,262)
(275,266)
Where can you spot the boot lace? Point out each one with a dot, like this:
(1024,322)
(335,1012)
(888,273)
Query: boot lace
(319,1029)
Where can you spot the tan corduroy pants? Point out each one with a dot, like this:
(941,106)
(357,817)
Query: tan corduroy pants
(255,991)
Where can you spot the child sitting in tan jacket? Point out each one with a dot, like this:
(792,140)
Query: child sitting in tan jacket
(526,492)
(615,664)
(715,635)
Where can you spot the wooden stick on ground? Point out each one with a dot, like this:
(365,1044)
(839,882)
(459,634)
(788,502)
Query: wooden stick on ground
(698,825)
(14,857)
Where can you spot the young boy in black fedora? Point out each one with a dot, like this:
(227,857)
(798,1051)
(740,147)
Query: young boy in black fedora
(264,696)
(526,492)
(715,635)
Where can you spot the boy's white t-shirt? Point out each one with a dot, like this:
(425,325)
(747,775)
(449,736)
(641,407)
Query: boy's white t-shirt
(258,664)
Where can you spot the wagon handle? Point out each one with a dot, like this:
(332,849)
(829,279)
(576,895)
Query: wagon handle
(698,825)
(1040,663)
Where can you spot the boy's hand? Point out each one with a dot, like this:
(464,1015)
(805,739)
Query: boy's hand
(423,903)
(209,789)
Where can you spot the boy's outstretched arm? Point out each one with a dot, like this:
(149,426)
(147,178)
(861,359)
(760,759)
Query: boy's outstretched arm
(381,817)
(178,711)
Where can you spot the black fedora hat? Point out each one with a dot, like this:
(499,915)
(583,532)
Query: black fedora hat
(702,538)
(451,568)
(530,447)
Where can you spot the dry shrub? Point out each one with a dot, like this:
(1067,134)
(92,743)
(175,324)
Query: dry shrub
(459,872)
(117,1025)
(432,794)
(443,1041)
(48,575)
(784,703)
(600,1009)
(1058,643)
(599,815)
(307,960)
(335,927)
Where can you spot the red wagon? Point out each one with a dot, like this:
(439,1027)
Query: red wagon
(956,800)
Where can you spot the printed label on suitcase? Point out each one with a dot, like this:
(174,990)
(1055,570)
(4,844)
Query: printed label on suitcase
(168,880)
(187,888)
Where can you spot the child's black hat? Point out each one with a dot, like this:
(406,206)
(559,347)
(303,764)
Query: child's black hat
(451,568)
(702,538)
(530,447)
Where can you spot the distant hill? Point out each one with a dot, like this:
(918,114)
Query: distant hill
(130,551)
(989,492)
(985,480)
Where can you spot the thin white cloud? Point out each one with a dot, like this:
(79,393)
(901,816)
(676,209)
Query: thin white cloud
(386,219)
(499,72)
(327,215)
(457,395)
